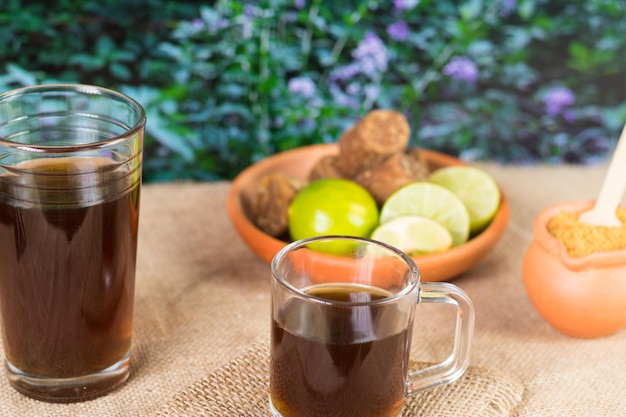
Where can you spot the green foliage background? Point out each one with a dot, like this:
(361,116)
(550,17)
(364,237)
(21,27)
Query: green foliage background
(219,79)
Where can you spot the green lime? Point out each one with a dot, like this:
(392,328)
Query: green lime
(432,201)
(332,206)
(477,190)
(414,235)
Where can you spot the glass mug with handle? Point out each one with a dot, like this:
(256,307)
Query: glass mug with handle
(342,317)
(70,178)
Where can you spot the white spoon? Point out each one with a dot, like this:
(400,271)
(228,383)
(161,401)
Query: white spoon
(603,213)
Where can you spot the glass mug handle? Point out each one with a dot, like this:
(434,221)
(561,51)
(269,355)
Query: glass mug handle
(455,365)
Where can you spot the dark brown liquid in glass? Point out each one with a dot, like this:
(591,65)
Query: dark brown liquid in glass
(332,362)
(68,240)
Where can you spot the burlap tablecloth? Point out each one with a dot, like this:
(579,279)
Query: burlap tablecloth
(202,320)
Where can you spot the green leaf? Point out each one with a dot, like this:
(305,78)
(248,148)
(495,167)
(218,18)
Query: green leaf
(433,131)
(20,75)
(161,129)
(526,9)
(104,45)
(120,71)
(471,10)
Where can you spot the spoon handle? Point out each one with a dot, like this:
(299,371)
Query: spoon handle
(615,181)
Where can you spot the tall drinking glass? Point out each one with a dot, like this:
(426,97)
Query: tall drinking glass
(70,178)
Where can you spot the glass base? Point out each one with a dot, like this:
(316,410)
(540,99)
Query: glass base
(65,390)
(275,413)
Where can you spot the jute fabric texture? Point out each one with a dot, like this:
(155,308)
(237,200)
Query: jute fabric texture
(240,389)
(202,304)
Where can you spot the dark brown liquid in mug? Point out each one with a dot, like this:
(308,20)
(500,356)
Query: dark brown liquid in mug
(330,362)
(67,270)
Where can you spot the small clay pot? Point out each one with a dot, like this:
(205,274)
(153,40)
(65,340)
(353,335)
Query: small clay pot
(579,296)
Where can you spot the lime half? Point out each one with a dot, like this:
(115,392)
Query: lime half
(414,235)
(432,201)
(477,190)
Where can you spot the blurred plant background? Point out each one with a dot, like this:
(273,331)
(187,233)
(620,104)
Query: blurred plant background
(226,83)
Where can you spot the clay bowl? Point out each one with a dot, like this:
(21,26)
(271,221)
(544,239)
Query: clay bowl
(298,163)
(579,296)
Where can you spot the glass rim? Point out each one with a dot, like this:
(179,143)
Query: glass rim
(412,285)
(85,89)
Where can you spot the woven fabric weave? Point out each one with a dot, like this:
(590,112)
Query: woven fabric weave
(239,389)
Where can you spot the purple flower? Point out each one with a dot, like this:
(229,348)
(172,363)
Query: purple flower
(398,31)
(507,7)
(372,92)
(249,10)
(401,5)
(342,98)
(345,72)
(302,85)
(462,68)
(371,54)
(569,116)
(353,89)
(299,3)
(557,99)
(212,25)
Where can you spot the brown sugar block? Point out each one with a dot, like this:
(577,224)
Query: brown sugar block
(418,162)
(273,196)
(371,140)
(325,167)
(396,171)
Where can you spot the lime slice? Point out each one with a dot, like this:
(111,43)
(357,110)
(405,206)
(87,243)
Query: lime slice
(433,202)
(414,235)
(477,190)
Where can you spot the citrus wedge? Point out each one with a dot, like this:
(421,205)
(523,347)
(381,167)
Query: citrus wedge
(414,235)
(433,202)
(477,190)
